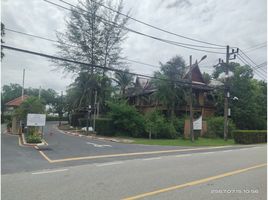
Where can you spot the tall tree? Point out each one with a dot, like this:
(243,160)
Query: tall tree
(123,80)
(170,93)
(93,35)
(248,98)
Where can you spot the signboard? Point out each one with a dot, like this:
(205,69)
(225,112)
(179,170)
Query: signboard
(197,125)
(36,119)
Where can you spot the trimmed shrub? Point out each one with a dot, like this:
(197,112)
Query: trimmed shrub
(215,127)
(104,126)
(250,136)
(56,118)
(126,119)
(33,139)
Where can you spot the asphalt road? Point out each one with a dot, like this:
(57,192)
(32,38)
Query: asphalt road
(129,178)
(66,150)
(72,167)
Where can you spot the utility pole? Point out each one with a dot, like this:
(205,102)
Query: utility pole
(227,110)
(61,107)
(226,93)
(95,106)
(22,90)
(190,101)
(39,93)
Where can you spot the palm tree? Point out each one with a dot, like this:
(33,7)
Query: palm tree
(123,80)
(170,93)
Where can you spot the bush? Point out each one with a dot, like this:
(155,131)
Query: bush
(215,127)
(82,122)
(179,125)
(56,118)
(104,127)
(33,139)
(156,124)
(250,136)
(75,119)
(126,119)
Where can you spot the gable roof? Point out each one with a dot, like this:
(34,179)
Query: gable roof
(17,101)
(197,76)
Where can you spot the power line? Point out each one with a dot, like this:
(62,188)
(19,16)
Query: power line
(254,67)
(28,34)
(263,44)
(246,63)
(51,40)
(152,26)
(256,48)
(133,31)
(183,82)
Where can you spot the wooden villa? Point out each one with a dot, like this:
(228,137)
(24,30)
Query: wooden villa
(142,96)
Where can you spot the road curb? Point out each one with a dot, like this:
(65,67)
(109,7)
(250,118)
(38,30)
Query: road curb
(90,136)
(24,143)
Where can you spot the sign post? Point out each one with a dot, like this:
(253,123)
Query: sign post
(197,124)
(36,120)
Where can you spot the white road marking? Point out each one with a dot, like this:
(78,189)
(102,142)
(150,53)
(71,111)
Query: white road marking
(51,171)
(154,158)
(207,152)
(109,163)
(184,155)
(99,145)
(226,151)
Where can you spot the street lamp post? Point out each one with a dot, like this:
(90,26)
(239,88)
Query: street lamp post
(191,97)
(88,116)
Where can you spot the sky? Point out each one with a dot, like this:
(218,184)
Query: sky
(239,23)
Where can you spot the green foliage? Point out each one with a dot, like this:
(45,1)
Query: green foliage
(206,77)
(178,123)
(158,127)
(123,80)
(170,93)
(33,138)
(215,127)
(30,105)
(104,126)
(249,108)
(75,119)
(56,118)
(250,136)
(126,119)
(82,122)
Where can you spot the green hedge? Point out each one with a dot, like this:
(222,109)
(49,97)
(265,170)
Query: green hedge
(104,126)
(56,118)
(250,136)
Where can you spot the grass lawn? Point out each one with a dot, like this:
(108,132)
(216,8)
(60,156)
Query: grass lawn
(184,142)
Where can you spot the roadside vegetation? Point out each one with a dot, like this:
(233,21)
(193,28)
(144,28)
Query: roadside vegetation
(96,91)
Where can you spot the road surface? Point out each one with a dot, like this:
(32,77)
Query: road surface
(80,169)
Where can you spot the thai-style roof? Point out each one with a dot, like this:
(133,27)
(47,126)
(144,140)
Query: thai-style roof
(197,76)
(17,101)
(145,85)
